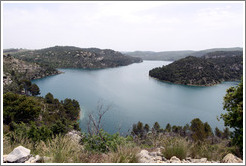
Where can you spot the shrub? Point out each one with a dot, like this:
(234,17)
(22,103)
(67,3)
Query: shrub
(175,147)
(123,154)
(103,142)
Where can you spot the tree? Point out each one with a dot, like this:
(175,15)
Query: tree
(72,108)
(207,129)
(146,128)
(49,98)
(19,108)
(217,132)
(197,128)
(156,127)
(168,127)
(34,90)
(233,104)
(226,133)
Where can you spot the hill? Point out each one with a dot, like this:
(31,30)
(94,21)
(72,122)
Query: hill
(176,55)
(75,57)
(210,69)
(15,70)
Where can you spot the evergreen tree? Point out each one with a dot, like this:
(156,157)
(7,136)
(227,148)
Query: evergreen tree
(34,89)
(233,104)
(197,128)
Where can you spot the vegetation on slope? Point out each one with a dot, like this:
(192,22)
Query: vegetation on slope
(74,57)
(210,69)
(15,71)
(176,55)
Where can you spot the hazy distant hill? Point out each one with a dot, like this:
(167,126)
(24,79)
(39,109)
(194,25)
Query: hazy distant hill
(74,57)
(210,69)
(175,55)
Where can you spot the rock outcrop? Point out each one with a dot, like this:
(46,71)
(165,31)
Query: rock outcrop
(230,158)
(75,135)
(156,157)
(23,155)
(18,155)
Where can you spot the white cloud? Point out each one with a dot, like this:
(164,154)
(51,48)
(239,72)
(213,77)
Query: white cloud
(123,25)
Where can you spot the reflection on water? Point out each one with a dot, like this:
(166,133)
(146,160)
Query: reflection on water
(134,96)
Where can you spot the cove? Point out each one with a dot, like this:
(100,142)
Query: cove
(134,96)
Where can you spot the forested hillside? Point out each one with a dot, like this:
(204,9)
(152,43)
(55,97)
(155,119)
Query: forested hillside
(74,57)
(176,55)
(208,70)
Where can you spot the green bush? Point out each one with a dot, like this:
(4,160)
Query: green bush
(176,147)
(103,142)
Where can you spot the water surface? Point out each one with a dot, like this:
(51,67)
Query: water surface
(134,96)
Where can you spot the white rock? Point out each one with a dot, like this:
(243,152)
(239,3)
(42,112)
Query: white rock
(5,158)
(203,160)
(154,154)
(174,159)
(19,154)
(230,158)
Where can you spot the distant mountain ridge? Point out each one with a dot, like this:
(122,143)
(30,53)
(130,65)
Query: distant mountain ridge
(75,57)
(210,69)
(175,55)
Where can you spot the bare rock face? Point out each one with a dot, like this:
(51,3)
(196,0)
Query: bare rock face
(18,155)
(230,158)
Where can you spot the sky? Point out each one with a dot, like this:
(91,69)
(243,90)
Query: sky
(124,25)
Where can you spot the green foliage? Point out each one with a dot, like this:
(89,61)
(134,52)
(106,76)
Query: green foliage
(156,127)
(217,132)
(198,129)
(19,108)
(49,98)
(233,104)
(74,57)
(207,70)
(226,133)
(207,129)
(34,89)
(168,127)
(146,128)
(103,144)
(138,129)
(176,147)
(72,108)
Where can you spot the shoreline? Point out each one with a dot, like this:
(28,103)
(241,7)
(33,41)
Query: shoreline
(192,84)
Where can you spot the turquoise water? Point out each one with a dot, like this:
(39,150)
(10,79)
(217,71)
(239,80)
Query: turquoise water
(134,96)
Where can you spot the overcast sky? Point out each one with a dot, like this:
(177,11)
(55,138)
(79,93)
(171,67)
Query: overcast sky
(124,26)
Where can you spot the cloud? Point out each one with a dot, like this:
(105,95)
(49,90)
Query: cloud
(123,25)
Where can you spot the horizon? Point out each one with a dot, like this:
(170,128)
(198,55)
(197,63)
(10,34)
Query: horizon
(124,26)
(126,51)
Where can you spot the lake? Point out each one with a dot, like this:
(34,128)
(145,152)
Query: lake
(134,96)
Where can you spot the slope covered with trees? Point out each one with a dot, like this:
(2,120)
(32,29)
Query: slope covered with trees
(208,70)
(176,55)
(75,57)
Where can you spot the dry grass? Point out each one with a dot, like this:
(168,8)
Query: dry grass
(124,154)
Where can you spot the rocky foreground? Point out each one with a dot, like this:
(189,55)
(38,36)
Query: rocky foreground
(23,155)
(156,157)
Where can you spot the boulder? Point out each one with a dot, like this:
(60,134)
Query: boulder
(5,158)
(230,158)
(144,157)
(174,159)
(74,135)
(19,155)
